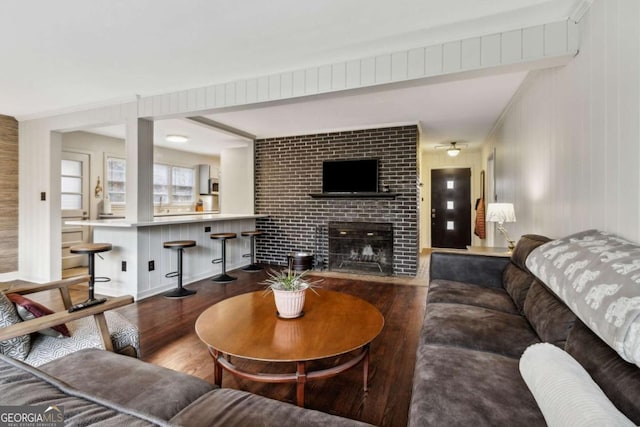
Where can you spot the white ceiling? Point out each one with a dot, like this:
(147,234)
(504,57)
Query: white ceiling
(58,55)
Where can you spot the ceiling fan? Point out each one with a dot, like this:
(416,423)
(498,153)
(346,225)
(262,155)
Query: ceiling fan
(453,148)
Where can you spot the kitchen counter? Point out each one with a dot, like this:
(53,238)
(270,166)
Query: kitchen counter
(185,213)
(164,220)
(138,262)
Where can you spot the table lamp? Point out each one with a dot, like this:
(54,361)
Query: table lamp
(501,213)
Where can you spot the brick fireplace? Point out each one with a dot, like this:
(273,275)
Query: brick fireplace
(361,247)
(288,171)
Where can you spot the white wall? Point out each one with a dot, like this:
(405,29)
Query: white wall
(237,180)
(39,151)
(568,145)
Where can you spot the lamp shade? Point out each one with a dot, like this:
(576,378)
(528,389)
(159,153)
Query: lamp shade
(500,213)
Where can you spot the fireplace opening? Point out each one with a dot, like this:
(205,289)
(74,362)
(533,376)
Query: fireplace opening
(361,247)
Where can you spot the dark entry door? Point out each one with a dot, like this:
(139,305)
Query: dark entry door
(451,208)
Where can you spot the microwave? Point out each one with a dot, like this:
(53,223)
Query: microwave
(214,186)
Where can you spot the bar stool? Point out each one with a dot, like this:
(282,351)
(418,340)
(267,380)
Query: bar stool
(91,249)
(223,237)
(179,245)
(251,255)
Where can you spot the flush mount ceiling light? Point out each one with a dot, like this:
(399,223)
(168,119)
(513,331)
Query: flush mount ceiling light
(177,138)
(453,148)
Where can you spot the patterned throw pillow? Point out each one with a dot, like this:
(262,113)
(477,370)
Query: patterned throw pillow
(597,275)
(17,347)
(28,309)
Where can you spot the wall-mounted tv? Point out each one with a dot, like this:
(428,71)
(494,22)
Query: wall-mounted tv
(350,176)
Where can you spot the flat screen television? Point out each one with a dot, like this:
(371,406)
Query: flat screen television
(350,176)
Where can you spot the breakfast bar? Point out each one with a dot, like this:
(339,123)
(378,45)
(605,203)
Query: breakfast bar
(138,262)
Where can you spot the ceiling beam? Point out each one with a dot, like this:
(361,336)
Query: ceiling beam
(221,127)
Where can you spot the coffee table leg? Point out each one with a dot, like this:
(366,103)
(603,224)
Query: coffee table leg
(365,367)
(301,379)
(217,368)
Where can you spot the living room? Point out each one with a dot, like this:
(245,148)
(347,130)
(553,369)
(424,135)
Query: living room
(564,150)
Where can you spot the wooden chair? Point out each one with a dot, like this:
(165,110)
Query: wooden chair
(100,326)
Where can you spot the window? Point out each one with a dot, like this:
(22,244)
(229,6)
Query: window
(182,185)
(71,184)
(160,184)
(116,179)
(173,185)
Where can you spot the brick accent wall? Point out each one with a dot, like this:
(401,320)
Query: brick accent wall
(8,194)
(288,169)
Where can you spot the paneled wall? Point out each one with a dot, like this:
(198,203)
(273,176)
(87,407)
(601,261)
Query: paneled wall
(8,194)
(543,45)
(288,169)
(568,146)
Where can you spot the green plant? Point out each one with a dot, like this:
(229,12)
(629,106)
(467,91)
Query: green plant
(289,280)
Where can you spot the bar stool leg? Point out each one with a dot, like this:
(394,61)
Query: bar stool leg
(92,280)
(223,277)
(252,267)
(92,300)
(179,292)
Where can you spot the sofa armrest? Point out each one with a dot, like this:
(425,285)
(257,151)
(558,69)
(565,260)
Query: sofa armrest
(468,268)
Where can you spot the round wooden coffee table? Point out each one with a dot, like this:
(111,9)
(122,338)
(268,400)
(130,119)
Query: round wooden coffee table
(246,326)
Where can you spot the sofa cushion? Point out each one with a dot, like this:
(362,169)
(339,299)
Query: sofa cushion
(228,408)
(525,245)
(618,379)
(452,292)
(132,383)
(84,334)
(28,309)
(564,391)
(516,277)
(17,347)
(517,283)
(462,387)
(476,328)
(549,317)
(21,384)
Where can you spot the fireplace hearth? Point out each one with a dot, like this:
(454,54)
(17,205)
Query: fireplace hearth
(361,247)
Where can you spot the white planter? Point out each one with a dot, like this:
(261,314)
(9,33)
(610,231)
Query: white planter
(289,303)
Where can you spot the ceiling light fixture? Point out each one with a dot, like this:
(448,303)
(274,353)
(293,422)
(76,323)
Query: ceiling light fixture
(177,138)
(453,150)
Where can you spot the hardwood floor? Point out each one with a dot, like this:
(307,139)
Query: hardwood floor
(168,339)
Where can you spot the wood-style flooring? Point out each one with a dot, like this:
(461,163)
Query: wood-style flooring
(168,339)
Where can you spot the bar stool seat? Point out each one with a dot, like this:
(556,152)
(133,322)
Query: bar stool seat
(180,246)
(91,249)
(223,277)
(252,267)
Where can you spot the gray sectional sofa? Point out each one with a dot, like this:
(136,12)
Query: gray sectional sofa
(483,312)
(100,388)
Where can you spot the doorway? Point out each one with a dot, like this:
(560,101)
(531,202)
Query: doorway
(451,208)
(74,193)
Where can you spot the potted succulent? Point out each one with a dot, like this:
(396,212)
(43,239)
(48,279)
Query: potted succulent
(289,288)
